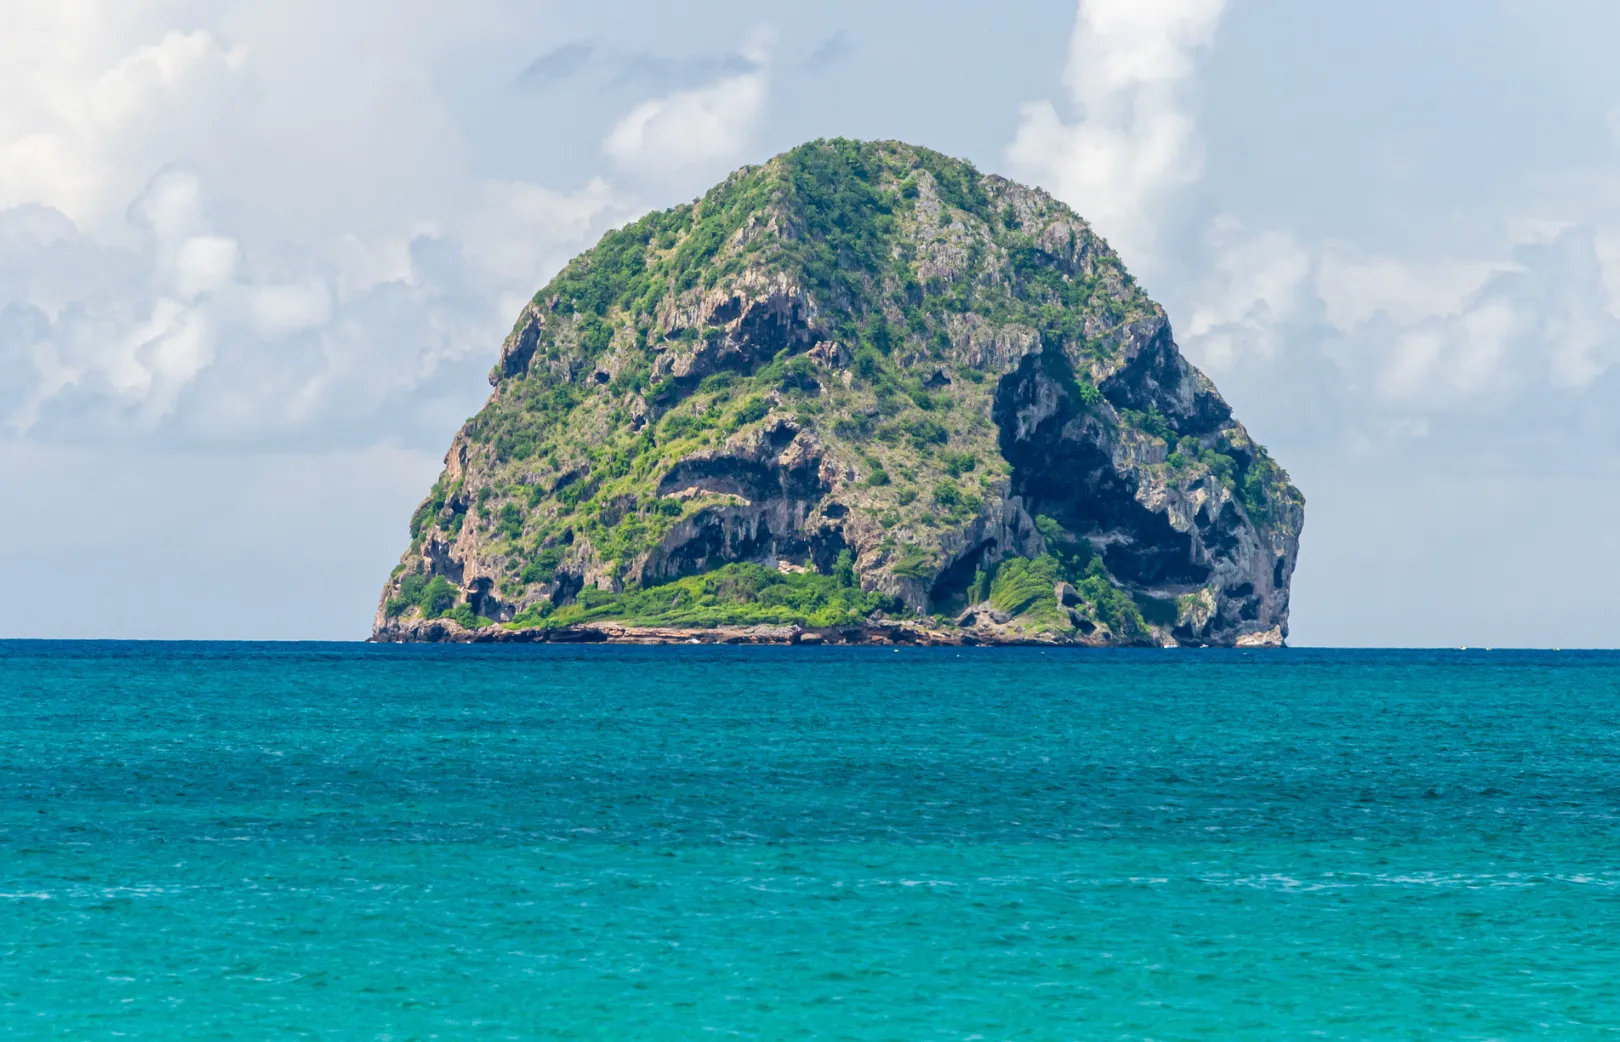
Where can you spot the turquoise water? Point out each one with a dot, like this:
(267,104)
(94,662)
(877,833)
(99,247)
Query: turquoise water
(340,841)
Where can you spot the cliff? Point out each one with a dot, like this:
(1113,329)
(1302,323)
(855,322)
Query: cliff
(858,392)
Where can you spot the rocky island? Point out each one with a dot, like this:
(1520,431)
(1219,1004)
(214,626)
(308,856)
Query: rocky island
(859,393)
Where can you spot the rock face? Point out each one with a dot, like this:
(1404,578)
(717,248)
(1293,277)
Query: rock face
(857,385)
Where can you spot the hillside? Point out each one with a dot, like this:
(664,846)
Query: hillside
(858,392)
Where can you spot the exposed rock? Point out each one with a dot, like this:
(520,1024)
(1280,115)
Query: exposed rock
(829,354)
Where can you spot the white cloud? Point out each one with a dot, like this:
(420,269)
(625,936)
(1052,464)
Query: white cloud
(282,309)
(204,263)
(1606,244)
(1256,286)
(1405,342)
(693,128)
(1135,142)
(171,359)
(518,232)
(689,127)
(1540,322)
(226,222)
(75,136)
(1355,288)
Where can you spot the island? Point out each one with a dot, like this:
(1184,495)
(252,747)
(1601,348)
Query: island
(860,393)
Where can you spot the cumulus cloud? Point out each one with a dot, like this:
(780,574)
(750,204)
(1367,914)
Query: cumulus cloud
(267,357)
(79,120)
(1253,290)
(1356,287)
(1134,143)
(693,128)
(1539,322)
(235,229)
(1407,343)
(278,310)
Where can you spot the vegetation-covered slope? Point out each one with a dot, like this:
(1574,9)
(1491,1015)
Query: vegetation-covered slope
(859,381)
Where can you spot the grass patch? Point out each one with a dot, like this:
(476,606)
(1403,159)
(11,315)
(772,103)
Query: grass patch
(734,595)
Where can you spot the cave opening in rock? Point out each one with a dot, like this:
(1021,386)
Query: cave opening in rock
(714,537)
(481,598)
(1062,468)
(950,590)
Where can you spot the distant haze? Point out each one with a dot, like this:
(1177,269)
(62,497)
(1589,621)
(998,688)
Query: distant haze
(256,260)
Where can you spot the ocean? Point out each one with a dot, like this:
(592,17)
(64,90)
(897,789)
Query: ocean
(210,841)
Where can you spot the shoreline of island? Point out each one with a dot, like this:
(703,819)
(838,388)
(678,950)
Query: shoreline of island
(867,634)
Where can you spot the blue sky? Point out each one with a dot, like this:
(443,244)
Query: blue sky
(255,261)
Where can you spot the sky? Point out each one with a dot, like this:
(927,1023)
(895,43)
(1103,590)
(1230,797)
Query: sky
(257,259)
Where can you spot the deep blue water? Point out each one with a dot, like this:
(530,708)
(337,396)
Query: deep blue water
(341,841)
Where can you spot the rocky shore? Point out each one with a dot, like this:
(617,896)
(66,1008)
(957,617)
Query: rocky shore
(876,634)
